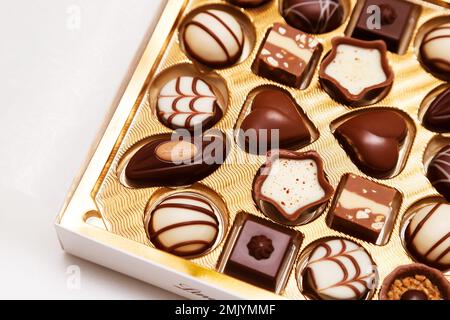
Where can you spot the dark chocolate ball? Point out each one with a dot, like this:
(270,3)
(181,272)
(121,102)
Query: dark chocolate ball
(313,16)
(414,295)
(439,171)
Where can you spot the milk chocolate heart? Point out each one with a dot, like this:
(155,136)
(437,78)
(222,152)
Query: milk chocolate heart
(437,116)
(373,140)
(274,121)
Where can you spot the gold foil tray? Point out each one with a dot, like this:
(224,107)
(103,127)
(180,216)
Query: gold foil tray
(100,194)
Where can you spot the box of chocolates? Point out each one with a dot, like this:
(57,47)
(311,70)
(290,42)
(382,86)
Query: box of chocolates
(271,149)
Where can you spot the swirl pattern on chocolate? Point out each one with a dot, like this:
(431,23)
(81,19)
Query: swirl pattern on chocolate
(188,102)
(313,16)
(260,247)
(338,269)
(439,172)
(183,224)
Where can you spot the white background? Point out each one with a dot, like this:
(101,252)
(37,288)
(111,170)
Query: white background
(63,65)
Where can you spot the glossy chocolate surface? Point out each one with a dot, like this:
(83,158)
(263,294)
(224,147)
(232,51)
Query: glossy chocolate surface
(262,267)
(290,195)
(439,172)
(364,209)
(437,116)
(395,17)
(313,16)
(373,140)
(434,51)
(222,33)
(358,80)
(273,112)
(184,224)
(287,56)
(164,161)
(427,236)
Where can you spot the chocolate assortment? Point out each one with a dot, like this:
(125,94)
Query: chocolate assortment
(291,146)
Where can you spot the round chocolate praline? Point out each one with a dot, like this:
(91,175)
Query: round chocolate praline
(184,224)
(437,116)
(214,38)
(248,3)
(427,236)
(313,16)
(434,51)
(438,171)
(338,269)
(417,277)
(188,102)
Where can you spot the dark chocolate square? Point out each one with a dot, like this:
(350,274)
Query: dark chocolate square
(396,17)
(264,268)
(364,209)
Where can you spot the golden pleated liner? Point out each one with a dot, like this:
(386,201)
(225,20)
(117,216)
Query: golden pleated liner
(123,208)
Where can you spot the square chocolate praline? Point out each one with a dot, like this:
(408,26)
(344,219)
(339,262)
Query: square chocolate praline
(364,209)
(397,20)
(265,263)
(287,56)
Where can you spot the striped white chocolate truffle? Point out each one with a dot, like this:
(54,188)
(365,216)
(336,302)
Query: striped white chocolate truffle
(435,49)
(187,102)
(214,38)
(184,224)
(339,269)
(428,235)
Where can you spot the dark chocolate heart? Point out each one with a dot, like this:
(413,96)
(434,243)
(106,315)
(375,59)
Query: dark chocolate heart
(373,140)
(273,109)
(437,116)
(171,160)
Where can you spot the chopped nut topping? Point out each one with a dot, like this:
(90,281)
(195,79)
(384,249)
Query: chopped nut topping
(418,282)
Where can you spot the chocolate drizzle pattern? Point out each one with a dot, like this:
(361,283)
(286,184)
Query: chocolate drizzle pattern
(187,102)
(439,171)
(428,235)
(434,50)
(230,41)
(348,267)
(183,224)
(313,16)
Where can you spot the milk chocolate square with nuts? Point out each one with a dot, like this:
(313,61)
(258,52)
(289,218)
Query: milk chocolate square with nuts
(287,56)
(364,209)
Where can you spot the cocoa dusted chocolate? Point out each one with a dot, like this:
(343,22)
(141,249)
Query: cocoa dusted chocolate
(172,160)
(274,121)
(287,56)
(188,102)
(438,172)
(396,18)
(364,209)
(291,186)
(184,224)
(213,37)
(434,51)
(373,140)
(427,236)
(437,115)
(415,282)
(338,269)
(356,72)
(313,16)
(248,3)
(262,253)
